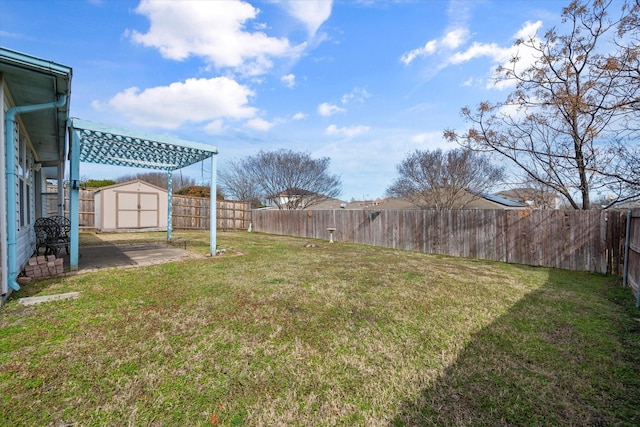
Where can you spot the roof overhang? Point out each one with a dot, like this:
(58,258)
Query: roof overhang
(31,81)
(121,147)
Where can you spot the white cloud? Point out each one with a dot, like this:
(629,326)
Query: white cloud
(454,38)
(289,80)
(357,94)
(420,137)
(325,109)
(428,49)
(259,124)
(215,127)
(311,13)
(213,30)
(191,101)
(529,29)
(477,50)
(300,116)
(445,50)
(450,40)
(430,141)
(497,53)
(471,82)
(526,55)
(349,132)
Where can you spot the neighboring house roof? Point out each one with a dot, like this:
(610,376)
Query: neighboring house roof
(466,199)
(292,192)
(388,204)
(503,201)
(483,201)
(531,196)
(635,204)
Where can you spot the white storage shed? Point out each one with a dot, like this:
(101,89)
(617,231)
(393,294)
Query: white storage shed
(131,206)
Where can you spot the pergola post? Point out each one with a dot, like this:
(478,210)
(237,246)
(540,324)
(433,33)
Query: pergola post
(169,205)
(74,199)
(213,222)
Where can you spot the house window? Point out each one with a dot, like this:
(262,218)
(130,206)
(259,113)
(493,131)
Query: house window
(25,204)
(24,183)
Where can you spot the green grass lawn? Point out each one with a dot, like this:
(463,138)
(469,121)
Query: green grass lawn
(277,333)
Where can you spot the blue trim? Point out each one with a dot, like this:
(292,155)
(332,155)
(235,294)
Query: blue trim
(74,199)
(144,136)
(24,61)
(213,223)
(169,205)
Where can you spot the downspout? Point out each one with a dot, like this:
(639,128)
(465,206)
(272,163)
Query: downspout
(10,172)
(4,269)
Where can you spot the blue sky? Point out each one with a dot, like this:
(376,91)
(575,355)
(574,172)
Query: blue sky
(361,82)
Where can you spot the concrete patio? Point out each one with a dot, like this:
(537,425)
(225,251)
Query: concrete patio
(110,255)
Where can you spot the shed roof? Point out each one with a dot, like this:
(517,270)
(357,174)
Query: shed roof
(135,181)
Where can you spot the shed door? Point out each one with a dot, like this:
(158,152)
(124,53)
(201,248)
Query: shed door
(137,210)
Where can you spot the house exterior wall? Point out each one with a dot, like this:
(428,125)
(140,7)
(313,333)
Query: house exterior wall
(133,205)
(25,191)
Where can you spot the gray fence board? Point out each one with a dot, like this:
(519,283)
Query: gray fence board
(632,264)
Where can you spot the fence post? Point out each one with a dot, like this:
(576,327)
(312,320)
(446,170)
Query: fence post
(627,237)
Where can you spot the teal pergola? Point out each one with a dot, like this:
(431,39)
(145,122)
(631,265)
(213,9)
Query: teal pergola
(102,144)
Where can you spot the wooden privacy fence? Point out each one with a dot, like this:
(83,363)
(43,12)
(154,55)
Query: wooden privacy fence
(193,213)
(86,206)
(188,212)
(631,276)
(575,240)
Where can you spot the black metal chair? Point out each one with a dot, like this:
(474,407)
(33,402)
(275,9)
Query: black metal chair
(49,236)
(65,227)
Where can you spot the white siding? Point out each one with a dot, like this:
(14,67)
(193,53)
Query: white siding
(25,238)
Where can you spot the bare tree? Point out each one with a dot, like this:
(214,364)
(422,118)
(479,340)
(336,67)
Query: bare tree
(434,179)
(239,184)
(625,65)
(293,180)
(559,123)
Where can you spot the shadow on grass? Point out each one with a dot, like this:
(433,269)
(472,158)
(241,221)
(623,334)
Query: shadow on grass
(567,354)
